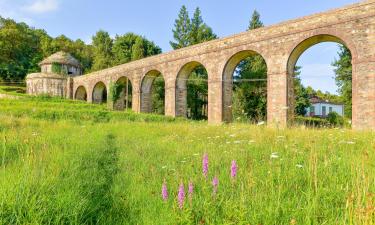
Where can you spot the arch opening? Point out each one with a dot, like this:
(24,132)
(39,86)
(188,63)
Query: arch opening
(81,94)
(99,95)
(153,93)
(245,88)
(192,91)
(124,92)
(320,81)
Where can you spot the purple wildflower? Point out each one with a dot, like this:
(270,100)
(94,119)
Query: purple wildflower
(191,189)
(181,196)
(164,191)
(205,165)
(233,169)
(215,183)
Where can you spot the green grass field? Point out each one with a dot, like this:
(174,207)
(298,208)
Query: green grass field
(65,162)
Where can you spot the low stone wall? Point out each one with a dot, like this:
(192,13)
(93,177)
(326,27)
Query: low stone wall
(46,84)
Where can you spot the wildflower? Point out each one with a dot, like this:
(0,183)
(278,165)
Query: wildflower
(215,183)
(234,167)
(205,165)
(191,189)
(274,155)
(164,191)
(181,196)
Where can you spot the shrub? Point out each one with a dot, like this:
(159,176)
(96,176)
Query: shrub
(311,121)
(115,90)
(335,119)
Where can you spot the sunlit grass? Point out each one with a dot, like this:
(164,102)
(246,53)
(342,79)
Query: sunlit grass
(77,168)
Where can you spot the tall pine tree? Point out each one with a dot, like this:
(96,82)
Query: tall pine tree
(199,31)
(250,98)
(189,32)
(182,30)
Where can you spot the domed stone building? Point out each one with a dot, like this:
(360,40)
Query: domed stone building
(55,78)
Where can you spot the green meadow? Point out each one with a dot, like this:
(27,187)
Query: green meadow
(67,162)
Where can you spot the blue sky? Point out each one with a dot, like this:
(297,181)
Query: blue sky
(155,18)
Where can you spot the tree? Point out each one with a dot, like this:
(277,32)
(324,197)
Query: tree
(82,52)
(130,47)
(255,21)
(138,49)
(343,78)
(182,30)
(19,50)
(250,98)
(189,32)
(103,57)
(302,101)
(199,31)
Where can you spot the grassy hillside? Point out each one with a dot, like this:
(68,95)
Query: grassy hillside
(65,162)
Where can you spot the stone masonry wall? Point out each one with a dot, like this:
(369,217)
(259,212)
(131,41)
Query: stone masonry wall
(280,45)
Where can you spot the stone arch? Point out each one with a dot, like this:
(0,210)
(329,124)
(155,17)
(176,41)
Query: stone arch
(227,83)
(304,45)
(126,92)
(181,86)
(146,90)
(99,93)
(81,93)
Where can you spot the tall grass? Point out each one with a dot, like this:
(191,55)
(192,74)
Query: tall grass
(69,170)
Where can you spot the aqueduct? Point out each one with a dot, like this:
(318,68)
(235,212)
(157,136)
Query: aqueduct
(280,45)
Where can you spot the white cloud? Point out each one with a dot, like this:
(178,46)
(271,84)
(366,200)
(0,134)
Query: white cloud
(8,9)
(42,6)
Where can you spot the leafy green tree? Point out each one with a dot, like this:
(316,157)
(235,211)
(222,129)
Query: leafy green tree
(158,95)
(84,53)
(130,47)
(103,57)
(197,94)
(138,49)
(343,78)
(302,97)
(19,50)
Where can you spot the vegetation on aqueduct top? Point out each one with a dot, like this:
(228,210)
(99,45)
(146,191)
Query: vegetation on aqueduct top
(66,162)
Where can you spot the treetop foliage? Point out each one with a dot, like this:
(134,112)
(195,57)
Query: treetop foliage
(188,31)
(23,47)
